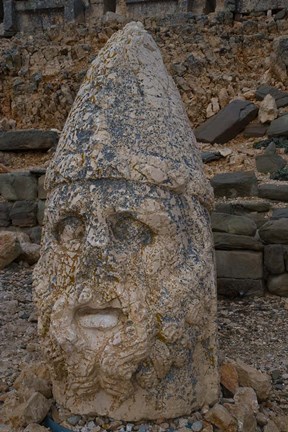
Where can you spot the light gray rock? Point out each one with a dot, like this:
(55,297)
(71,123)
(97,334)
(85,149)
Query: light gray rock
(18,186)
(268,109)
(239,264)
(232,185)
(278,285)
(226,223)
(275,231)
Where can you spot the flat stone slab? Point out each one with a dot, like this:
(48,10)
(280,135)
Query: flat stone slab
(240,208)
(275,231)
(29,139)
(227,123)
(24,213)
(231,288)
(280,97)
(274,192)
(278,127)
(225,241)
(239,264)
(232,185)
(269,163)
(227,223)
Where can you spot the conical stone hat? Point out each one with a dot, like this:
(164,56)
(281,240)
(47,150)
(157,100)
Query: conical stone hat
(128,122)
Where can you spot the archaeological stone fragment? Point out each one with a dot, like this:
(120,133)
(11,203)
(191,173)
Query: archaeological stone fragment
(125,286)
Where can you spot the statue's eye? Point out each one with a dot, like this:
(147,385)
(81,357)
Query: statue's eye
(128,229)
(70,231)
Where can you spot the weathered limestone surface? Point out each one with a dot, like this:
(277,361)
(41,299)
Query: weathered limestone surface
(125,286)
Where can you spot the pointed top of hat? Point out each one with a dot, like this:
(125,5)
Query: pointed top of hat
(128,122)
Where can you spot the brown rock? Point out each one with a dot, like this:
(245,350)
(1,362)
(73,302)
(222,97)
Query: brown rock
(229,377)
(35,409)
(28,380)
(9,248)
(251,377)
(219,416)
(247,396)
(30,253)
(271,427)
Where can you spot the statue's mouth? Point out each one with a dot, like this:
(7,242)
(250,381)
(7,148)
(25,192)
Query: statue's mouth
(100,319)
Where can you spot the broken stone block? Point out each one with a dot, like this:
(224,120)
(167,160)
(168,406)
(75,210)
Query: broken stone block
(247,396)
(227,123)
(268,109)
(226,223)
(9,248)
(280,213)
(269,162)
(232,185)
(251,377)
(280,97)
(34,427)
(239,264)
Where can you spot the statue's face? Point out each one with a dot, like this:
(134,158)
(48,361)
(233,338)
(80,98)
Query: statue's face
(122,285)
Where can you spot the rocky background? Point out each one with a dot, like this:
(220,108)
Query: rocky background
(233,81)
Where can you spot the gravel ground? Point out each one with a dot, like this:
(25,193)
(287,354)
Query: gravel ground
(251,329)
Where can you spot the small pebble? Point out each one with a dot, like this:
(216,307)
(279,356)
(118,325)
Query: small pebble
(73,420)
(197,426)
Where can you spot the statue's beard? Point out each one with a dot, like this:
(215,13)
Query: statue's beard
(111,366)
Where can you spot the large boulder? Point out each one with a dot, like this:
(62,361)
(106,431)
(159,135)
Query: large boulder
(9,248)
(227,123)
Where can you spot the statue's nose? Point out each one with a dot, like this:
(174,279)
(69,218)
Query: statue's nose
(98,236)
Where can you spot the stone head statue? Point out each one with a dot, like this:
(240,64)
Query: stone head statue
(125,286)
